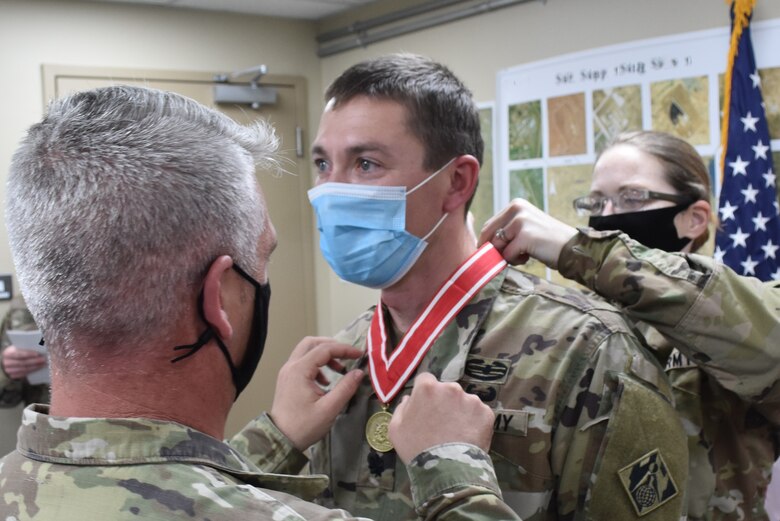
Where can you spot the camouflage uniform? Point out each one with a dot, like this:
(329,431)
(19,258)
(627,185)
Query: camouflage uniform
(580,408)
(14,392)
(725,370)
(68,469)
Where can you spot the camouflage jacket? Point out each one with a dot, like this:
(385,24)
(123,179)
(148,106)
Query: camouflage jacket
(68,469)
(14,392)
(724,369)
(583,430)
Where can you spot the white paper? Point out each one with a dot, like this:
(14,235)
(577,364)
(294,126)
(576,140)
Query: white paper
(32,340)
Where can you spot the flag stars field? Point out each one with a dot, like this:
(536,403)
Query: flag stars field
(748,236)
(770,178)
(727,211)
(760,222)
(756,78)
(770,250)
(749,121)
(739,238)
(750,194)
(760,149)
(749,266)
(739,166)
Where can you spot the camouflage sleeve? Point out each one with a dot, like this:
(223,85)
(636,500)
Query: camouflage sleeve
(456,481)
(262,443)
(726,323)
(449,482)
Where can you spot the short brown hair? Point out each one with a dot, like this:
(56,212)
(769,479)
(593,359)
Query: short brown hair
(440,109)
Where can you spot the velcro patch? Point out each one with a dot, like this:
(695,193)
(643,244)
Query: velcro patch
(487,393)
(509,421)
(648,482)
(491,370)
(677,360)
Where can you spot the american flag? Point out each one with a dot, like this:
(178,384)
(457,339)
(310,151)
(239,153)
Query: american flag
(748,239)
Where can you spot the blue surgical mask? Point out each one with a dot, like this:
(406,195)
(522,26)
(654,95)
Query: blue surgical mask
(363,231)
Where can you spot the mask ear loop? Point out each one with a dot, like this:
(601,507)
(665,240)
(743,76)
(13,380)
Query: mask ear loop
(431,176)
(436,227)
(203,339)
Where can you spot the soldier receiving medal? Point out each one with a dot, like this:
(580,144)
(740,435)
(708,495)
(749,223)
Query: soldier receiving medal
(397,158)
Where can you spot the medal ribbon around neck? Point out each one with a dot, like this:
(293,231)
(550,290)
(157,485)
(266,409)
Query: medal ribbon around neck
(389,375)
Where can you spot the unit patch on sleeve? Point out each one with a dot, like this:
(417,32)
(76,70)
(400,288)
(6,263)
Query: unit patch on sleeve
(648,482)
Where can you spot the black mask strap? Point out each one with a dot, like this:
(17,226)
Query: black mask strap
(204,339)
(243,374)
(249,278)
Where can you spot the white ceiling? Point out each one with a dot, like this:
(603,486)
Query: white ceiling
(301,9)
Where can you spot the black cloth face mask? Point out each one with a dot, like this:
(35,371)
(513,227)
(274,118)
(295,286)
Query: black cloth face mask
(243,373)
(653,228)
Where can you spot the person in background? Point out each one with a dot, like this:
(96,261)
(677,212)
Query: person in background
(17,363)
(717,332)
(397,158)
(141,240)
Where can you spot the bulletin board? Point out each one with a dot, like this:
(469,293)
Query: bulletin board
(555,116)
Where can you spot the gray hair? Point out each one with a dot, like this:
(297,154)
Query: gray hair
(119,200)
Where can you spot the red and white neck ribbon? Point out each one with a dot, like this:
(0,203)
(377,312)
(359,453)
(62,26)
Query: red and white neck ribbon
(388,375)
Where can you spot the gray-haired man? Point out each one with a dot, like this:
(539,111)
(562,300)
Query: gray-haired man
(141,241)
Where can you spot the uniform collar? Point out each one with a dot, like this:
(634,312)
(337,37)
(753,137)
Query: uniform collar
(447,357)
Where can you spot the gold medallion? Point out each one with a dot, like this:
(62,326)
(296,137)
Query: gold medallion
(376,431)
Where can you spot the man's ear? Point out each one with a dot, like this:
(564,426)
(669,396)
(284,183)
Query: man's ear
(213,303)
(694,220)
(463,182)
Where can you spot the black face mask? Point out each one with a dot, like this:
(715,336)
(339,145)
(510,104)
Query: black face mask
(256,343)
(653,228)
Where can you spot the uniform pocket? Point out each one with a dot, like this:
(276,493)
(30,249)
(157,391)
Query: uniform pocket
(520,451)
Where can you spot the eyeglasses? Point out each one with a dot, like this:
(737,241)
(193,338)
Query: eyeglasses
(629,200)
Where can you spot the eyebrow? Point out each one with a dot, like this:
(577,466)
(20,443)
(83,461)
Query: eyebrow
(355,150)
(621,189)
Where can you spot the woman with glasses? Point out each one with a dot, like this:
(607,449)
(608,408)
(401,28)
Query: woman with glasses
(653,187)
(717,333)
